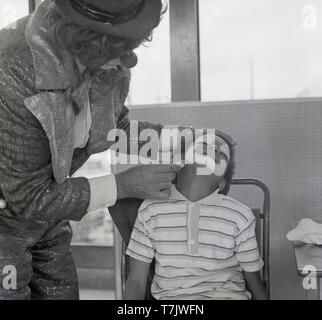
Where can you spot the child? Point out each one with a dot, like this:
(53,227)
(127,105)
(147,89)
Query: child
(203,242)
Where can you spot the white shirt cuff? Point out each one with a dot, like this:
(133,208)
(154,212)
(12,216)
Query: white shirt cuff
(103,192)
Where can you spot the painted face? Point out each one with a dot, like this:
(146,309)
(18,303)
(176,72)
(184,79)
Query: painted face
(94,58)
(212,154)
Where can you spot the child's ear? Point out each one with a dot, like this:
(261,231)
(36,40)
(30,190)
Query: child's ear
(222,184)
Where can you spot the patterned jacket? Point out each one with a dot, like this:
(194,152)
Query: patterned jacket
(37,82)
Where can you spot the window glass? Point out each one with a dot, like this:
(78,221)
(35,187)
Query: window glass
(264,49)
(151,78)
(12,10)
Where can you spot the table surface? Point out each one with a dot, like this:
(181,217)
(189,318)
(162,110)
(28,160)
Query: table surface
(308,254)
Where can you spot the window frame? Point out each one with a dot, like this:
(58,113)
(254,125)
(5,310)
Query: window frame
(184,46)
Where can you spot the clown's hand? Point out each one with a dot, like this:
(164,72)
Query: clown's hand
(3,204)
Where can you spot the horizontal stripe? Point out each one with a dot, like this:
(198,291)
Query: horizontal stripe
(142,244)
(185,295)
(173,216)
(171,202)
(170,227)
(137,254)
(139,225)
(229,209)
(243,242)
(175,213)
(247,251)
(216,231)
(252,261)
(219,218)
(196,296)
(242,282)
(197,277)
(228,269)
(135,228)
(159,204)
(168,242)
(165,228)
(252,225)
(194,257)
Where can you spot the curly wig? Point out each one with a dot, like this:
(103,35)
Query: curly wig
(90,43)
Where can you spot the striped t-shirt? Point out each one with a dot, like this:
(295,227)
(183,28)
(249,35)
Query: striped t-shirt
(200,248)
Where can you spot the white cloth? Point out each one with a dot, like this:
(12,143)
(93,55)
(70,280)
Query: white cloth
(307,231)
(84,118)
(103,192)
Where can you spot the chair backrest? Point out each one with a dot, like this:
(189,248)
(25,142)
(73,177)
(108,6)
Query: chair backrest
(262,235)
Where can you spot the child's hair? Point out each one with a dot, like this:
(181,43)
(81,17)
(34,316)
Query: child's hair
(231,165)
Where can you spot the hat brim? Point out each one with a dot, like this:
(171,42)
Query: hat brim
(136,29)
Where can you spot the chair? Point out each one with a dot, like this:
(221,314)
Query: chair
(262,224)
(262,234)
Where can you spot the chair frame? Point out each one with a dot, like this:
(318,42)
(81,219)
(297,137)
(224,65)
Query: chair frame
(264,224)
(263,215)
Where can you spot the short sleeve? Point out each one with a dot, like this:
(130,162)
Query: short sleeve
(140,246)
(246,248)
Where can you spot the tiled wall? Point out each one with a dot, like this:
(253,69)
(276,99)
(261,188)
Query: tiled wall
(279,142)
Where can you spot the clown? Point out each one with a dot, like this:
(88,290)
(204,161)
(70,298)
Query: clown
(64,78)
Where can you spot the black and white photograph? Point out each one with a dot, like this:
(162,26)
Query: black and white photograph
(160,150)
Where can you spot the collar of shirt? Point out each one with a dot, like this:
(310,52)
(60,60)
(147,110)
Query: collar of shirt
(211,199)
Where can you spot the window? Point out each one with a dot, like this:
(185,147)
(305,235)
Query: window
(260,49)
(151,78)
(12,10)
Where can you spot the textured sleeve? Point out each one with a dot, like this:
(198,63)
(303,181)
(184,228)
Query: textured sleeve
(26,173)
(80,156)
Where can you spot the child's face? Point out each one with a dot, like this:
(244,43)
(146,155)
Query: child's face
(217,152)
(215,156)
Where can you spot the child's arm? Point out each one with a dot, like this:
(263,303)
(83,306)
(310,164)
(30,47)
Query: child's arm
(255,285)
(135,287)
